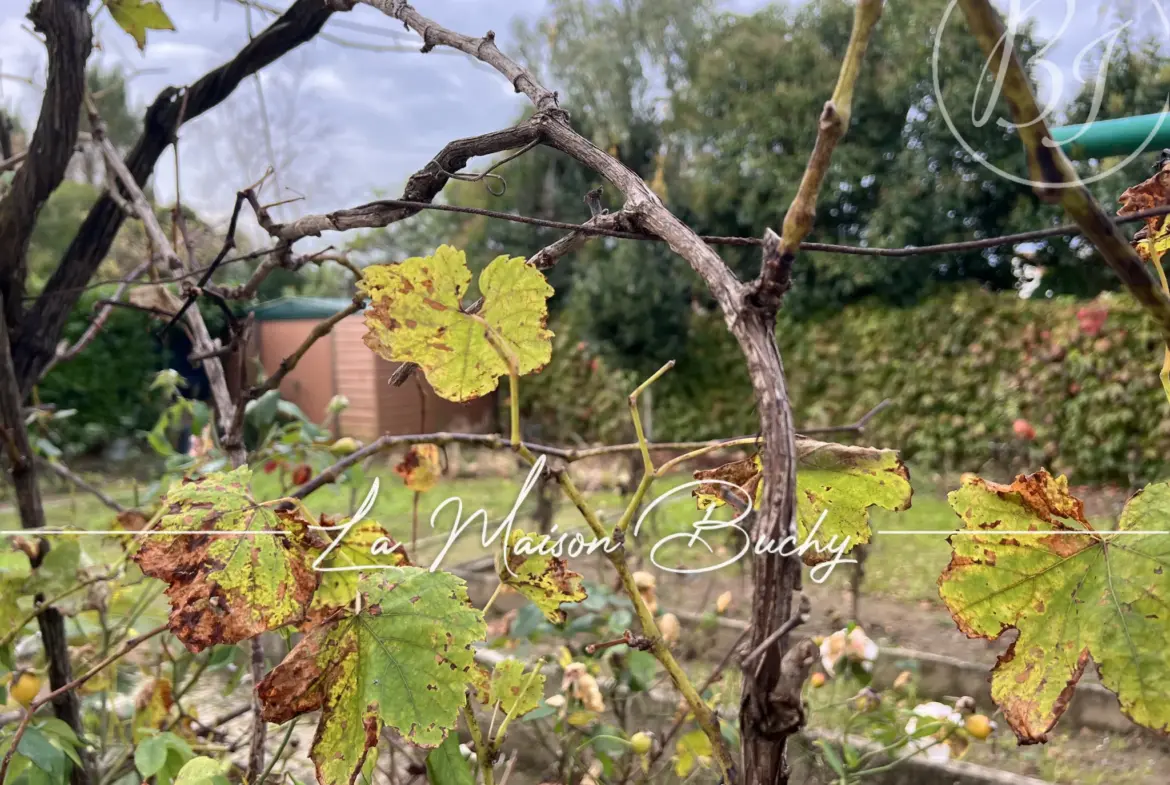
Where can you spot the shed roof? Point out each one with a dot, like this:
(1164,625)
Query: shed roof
(288,308)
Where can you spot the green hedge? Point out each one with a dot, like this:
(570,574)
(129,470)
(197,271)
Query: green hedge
(108,382)
(960,370)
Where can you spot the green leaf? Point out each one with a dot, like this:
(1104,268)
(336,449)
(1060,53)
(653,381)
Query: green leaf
(447,766)
(1072,592)
(58,570)
(642,666)
(151,755)
(832,758)
(539,713)
(517,692)
(416,315)
(201,771)
(14,571)
(36,746)
(545,580)
(138,16)
(261,412)
(227,588)
(404,661)
(838,481)
(55,727)
(842,482)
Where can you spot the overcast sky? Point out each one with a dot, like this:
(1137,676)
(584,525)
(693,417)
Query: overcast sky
(349,124)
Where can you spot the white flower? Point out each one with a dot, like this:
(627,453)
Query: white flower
(935,711)
(853,646)
(937,746)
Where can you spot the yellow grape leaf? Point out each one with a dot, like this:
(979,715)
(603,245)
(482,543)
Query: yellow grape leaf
(138,16)
(1028,560)
(518,692)
(546,580)
(693,749)
(1161,245)
(416,315)
(842,482)
(838,481)
(420,468)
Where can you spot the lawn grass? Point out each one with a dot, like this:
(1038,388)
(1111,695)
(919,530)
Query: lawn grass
(904,566)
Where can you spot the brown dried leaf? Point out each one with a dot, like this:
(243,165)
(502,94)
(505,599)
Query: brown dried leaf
(419,468)
(242,569)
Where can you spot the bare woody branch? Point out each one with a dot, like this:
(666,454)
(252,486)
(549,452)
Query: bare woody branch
(229,409)
(775,275)
(17,454)
(36,341)
(65,473)
(647,211)
(423,186)
(281,258)
(769,707)
(1048,167)
(202,343)
(68,37)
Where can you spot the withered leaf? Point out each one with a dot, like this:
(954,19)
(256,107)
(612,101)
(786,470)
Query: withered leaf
(419,468)
(546,580)
(1146,195)
(1027,559)
(236,568)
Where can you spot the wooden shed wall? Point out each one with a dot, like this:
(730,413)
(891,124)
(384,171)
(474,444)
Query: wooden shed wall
(355,373)
(310,384)
(342,364)
(400,408)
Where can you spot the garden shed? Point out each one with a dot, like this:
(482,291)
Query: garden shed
(341,364)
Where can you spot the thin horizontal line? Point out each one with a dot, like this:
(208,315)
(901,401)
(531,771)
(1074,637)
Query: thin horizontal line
(123,533)
(970,532)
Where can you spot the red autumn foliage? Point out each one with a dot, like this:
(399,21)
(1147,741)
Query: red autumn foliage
(1092,319)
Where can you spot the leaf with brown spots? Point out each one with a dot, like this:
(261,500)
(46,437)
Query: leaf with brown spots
(236,568)
(1028,560)
(404,661)
(416,315)
(1146,195)
(419,468)
(546,580)
(840,482)
(516,691)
